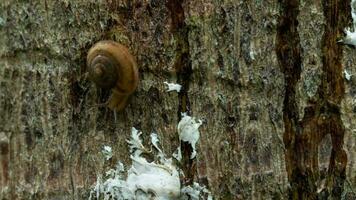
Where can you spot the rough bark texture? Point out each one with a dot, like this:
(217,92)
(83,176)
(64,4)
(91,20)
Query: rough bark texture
(266,76)
(321,115)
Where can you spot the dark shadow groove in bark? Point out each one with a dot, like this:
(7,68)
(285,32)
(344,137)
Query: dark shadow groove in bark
(322,116)
(4,160)
(183,69)
(337,14)
(288,51)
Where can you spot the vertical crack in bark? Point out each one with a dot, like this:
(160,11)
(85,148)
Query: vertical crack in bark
(322,116)
(288,51)
(4,160)
(337,14)
(183,68)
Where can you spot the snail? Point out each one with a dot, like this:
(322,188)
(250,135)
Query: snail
(111,66)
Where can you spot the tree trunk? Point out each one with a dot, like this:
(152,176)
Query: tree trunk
(266,77)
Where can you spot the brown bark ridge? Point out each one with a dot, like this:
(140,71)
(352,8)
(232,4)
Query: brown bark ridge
(322,115)
(265,76)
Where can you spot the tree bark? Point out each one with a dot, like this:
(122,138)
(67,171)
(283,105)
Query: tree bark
(266,77)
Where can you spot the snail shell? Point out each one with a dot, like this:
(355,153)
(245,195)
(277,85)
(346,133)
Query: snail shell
(111,66)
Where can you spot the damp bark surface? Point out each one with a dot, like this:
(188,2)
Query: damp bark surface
(266,77)
(322,115)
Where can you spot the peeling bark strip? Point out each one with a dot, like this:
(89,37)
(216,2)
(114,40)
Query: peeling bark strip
(322,117)
(183,68)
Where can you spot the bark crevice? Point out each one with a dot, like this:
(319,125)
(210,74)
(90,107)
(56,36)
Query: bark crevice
(322,116)
(288,49)
(337,14)
(183,67)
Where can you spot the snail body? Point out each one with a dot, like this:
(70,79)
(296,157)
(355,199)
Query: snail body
(111,66)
